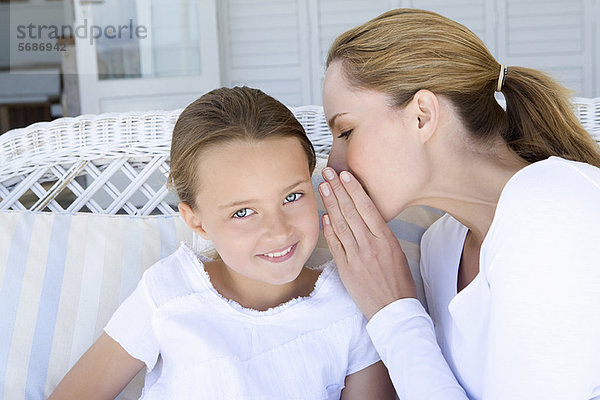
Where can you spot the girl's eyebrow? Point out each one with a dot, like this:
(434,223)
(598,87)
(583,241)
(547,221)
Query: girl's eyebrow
(243,202)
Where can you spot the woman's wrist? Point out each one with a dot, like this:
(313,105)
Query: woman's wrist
(404,305)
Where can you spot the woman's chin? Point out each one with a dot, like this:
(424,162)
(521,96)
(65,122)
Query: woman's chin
(393,212)
(387,211)
(387,207)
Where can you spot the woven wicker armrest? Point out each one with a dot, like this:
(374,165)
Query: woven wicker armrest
(588,112)
(106,163)
(118,163)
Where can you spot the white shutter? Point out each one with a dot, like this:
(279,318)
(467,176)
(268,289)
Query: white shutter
(264,44)
(474,14)
(595,34)
(554,36)
(329,18)
(281,45)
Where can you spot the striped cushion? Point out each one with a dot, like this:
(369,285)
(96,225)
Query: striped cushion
(61,278)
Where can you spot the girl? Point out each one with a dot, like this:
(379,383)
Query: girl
(254,322)
(512,272)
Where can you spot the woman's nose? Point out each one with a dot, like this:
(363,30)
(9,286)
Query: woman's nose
(337,159)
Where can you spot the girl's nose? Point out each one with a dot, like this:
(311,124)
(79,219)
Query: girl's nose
(277,226)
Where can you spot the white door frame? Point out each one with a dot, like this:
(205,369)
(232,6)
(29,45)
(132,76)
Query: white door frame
(145,93)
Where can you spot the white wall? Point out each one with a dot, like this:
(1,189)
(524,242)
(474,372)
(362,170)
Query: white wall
(281,45)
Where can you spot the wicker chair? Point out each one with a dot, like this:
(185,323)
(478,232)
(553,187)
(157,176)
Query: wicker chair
(588,112)
(107,163)
(117,163)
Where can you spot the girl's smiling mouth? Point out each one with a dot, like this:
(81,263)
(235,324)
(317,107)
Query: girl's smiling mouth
(281,255)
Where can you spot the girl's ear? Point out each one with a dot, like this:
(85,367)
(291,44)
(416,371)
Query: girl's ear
(427,112)
(192,219)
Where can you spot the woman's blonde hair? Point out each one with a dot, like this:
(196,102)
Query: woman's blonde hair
(405,50)
(222,116)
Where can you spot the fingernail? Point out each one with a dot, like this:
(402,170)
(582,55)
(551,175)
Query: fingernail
(345,176)
(329,175)
(326,219)
(325,189)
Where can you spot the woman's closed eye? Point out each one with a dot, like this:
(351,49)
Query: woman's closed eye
(345,134)
(244,212)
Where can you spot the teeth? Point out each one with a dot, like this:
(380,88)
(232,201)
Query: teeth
(279,254)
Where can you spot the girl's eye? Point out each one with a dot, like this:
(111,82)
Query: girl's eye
(244,212)
(292,197)
(345,134)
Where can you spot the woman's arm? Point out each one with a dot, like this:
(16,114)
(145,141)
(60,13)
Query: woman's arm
(372,382)
(101,373)
(375,271)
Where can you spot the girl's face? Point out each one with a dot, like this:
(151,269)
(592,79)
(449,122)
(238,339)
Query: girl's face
(257,205)
(374,141)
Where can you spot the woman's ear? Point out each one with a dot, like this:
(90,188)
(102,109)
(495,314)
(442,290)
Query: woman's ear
(192,219)
(427,110)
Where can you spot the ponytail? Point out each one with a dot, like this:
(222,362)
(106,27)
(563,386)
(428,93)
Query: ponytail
(541,121)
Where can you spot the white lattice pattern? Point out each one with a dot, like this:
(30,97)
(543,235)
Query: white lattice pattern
(588,112)
(107,163)
(118,163)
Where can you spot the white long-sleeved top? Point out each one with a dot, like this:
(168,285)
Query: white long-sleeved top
(528,325)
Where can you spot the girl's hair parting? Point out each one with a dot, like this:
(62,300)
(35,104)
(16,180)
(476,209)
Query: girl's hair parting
(225,115)
(405,50)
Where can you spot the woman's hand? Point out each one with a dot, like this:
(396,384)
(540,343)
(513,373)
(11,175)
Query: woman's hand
(369,258)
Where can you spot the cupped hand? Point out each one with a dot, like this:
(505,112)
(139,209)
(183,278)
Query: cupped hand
(369,257)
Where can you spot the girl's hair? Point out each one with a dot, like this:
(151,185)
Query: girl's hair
(222,116)
(405,50)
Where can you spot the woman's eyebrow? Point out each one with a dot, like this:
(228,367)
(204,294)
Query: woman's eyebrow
(331,121)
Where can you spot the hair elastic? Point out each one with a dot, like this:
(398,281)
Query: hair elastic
(501,77)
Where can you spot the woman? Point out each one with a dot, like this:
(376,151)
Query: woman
(512,272)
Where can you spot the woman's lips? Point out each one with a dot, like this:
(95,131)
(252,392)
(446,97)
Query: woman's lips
(280,256)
